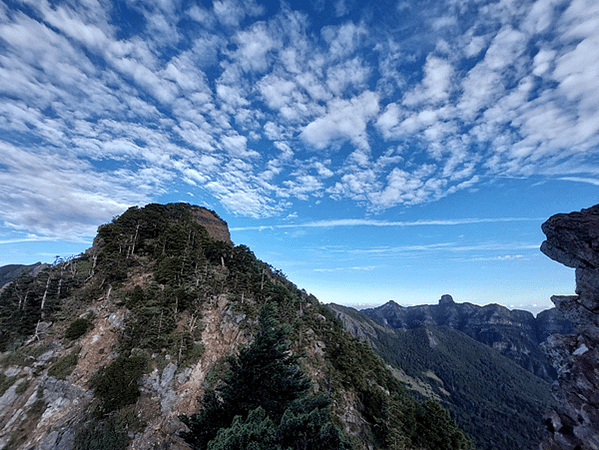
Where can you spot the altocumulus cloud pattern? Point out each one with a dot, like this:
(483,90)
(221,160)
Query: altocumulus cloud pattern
(259,105)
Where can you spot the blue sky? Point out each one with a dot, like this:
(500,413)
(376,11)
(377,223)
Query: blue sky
(398,150)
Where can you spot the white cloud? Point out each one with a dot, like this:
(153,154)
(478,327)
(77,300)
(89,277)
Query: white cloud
(542,62)
(232,12)
(278,92)
(404,187)
(254,46)
(236,105)
(61,197)
(345,120)
(352,73)
(436,85)
(384,223)
(343,40)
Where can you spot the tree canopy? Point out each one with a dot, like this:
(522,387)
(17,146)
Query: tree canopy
(263,401)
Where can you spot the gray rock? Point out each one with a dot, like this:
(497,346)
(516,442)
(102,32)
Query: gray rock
(168,374)
(573,240)
(12,371)
(46,355)
(8,398)
(60,391)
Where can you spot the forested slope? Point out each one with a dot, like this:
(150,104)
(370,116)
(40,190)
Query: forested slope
(113,348)
(496,401)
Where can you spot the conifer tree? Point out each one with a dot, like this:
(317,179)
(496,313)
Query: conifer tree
(263,401)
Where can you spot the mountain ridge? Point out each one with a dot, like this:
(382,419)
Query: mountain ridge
(111,347)
(486,392)
(516,334)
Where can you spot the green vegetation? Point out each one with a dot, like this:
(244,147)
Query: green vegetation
(77,329)
(497,402)
(22,387)
(263,401)
(6,382)
(28,301)
(111,433)
(396,418)
(65,365)
(116,385)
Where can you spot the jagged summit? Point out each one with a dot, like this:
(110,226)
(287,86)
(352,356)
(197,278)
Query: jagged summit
(515,333)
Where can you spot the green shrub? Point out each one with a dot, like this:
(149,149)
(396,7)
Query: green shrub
(77,329)
(65,365)
(117,384)
(22,387)
(108,434)
(6,382)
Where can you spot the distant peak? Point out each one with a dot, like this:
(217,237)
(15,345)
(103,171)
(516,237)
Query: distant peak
(446,300)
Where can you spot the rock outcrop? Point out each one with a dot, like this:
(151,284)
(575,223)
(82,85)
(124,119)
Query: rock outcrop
(573,240)
(515,334)
(216,227)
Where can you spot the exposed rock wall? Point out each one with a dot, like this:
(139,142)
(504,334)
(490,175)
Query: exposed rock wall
(573,240)
(217,228)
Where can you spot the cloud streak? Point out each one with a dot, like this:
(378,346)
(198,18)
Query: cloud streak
(384,223)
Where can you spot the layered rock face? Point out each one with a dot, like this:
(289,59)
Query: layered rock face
(515,334)
(573,240)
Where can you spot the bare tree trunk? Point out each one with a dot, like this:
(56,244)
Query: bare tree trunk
(134,240)
(59,287)
(45,294)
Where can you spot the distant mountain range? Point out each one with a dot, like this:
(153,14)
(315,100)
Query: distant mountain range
(515,334)
(12,271)
(500,404)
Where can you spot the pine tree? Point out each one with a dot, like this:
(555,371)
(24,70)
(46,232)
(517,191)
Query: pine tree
(263,401)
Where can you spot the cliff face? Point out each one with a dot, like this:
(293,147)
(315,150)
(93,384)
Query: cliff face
(514,333)
(216,227)
(573,240)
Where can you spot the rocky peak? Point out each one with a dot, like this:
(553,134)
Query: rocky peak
(216,227)
(573,240)
(446,300)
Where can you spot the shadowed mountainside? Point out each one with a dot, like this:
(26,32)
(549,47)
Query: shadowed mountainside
(12,271)
(496,401)
(515,334)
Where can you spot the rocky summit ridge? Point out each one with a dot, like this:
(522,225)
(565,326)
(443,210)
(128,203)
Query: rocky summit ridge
(573,240)
(120,347)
